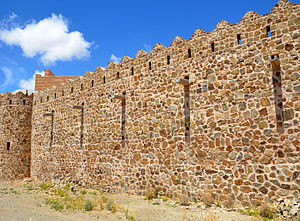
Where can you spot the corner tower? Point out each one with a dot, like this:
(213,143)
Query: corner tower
(15,135)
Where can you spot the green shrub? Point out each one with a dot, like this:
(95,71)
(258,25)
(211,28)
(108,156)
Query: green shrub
(267,212)
(83,192)
(61,192)
(46,185)
(110,206)
(55,204)
(88,205)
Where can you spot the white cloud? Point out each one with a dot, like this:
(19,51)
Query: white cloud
(30,83)
(49,38)
(147,48)
(8,76)
(115,59)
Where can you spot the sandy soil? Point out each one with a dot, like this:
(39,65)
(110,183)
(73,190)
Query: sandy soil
(17,203)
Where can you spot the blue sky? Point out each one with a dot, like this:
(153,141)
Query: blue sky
(71,37)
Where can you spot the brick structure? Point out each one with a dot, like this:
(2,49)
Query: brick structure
(218,112)
(49,80)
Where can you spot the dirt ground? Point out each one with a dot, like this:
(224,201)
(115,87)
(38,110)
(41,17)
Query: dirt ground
(18,203)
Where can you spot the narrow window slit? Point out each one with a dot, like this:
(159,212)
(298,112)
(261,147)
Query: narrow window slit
(132,71)
(92,83)
(81,87)
(8,146)
(239,39)
(118,75)
(150,65)
(168,59)
(268,31)
(189,53)
(47,98)
(104,81)
(212,46)
(54,95)
(10,102)
(24,102)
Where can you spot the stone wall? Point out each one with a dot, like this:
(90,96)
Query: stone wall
(15,135)
(204,114)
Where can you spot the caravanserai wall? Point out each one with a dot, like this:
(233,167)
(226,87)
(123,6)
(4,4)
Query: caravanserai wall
(233,129)
(15,135)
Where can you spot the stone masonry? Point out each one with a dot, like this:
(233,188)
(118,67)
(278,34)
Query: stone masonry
(15,136)
(218,113)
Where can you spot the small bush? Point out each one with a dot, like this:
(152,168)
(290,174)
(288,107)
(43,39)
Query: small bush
(88,205)
(67,187)
(46,185)
(104,199)
(150,194)
(83,192)
(61,192)
(129,215)
(164,199)
(267,212)
(93,192)
(55,204)
(111,206)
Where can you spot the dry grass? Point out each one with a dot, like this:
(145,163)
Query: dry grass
(70,198)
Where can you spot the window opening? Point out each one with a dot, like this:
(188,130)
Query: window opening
(212,47)
(239,39)
(189,53)
(268,31)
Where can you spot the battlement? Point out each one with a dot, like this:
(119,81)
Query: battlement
(16,98)
(239,39)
